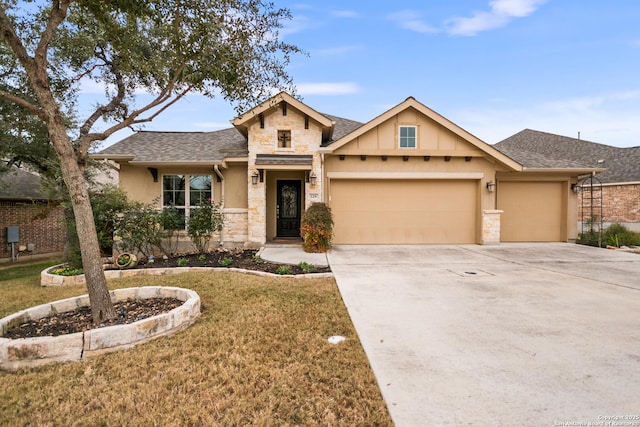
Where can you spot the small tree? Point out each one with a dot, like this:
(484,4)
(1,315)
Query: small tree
(317,228)
(204,220)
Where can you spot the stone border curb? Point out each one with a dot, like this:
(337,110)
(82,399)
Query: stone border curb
(48,279)
(31,352)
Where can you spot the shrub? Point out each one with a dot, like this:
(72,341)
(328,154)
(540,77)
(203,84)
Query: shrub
(204,220)
(67,270)
(317,228)
(283,269)
(619,235)
(183,262)
(306,267)
(225,262)
(139,229)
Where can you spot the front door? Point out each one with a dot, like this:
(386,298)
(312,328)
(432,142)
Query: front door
(288,209)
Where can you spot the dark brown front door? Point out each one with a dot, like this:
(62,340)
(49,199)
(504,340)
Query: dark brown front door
(288,209)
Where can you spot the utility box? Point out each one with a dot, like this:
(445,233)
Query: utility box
(13,234)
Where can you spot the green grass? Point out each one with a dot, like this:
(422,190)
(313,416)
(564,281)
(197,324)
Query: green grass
(258,355)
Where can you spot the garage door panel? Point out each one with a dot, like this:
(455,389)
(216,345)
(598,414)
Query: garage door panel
(532,211)
(401,212)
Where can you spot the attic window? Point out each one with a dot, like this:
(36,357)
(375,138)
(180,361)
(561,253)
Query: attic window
(407,136)
(284,139)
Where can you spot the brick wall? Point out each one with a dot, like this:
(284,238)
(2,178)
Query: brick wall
(40,223)
(620,203)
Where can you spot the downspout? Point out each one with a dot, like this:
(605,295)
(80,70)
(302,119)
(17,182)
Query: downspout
(216,169)
(321,178)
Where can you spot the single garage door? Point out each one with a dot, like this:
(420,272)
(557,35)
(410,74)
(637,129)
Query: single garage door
(404,211)
(533,211)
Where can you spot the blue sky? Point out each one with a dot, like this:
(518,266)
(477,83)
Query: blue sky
(493,67)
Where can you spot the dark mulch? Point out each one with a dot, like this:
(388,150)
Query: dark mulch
(245,258)
(80,319)
(134,310)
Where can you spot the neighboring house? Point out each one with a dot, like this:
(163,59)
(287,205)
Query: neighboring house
(40,221)
(408,176)
(619,195)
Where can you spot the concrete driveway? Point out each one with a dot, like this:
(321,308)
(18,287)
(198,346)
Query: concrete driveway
(512,334)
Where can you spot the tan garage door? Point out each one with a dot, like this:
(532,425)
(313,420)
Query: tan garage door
(404,211)
(533,211)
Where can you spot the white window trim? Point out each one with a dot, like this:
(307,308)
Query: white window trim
(187,190)
(416,137)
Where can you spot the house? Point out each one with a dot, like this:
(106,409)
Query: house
(40,220)
(408,176)
(617,200)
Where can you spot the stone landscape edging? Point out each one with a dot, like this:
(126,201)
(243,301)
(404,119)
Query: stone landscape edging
(38,351)
(49,279)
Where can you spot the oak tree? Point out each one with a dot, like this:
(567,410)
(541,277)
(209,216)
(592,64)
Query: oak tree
(164,48)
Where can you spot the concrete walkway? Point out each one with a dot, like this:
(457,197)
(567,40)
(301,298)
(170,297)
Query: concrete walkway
(512,334)
(291,254)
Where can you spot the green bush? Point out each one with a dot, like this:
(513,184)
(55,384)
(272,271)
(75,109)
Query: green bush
(306,267)
(283,270)
(183,262)
(225,262)
(317,228)
(619,235)
(139,229)
(204,220)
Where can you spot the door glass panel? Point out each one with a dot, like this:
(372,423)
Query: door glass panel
(289,202)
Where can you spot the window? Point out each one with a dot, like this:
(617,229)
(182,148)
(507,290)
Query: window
(407,137)
(180,192)
(284,139)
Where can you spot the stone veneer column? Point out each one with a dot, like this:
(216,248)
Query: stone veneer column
(491,226)
(257,212)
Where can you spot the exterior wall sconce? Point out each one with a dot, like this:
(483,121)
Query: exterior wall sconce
(426,158)
(384,158)
(447,158)
(254,178)
(313,179)
(405,158)
(491,186)
(341,156)
(467,158)
(575,188)
(363,157)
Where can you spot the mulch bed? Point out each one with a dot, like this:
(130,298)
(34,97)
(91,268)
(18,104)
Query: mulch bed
(79,320)
(133,310)
(245,258)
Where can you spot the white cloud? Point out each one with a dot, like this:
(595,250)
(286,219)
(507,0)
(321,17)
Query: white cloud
(501,13)
(344,13)
(412,21)
(327,88)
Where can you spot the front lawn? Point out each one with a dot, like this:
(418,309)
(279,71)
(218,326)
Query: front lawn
(258,355)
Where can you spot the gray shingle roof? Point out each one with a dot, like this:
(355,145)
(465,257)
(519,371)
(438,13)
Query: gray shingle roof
(214,147)
(18,184)
(152,146)
(622,164)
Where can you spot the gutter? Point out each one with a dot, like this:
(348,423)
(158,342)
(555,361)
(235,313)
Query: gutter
(216,169)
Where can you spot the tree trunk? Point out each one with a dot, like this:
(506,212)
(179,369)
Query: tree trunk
(73,176)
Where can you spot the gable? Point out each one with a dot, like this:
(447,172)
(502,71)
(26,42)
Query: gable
(435,136)
(283,102)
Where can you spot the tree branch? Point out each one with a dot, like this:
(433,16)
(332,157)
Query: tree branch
(57,16)
(22,103)
(10,36)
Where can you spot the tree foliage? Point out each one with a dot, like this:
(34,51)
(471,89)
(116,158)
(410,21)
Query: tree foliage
(165,48)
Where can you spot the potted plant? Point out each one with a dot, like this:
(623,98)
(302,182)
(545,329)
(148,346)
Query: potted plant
(126,260)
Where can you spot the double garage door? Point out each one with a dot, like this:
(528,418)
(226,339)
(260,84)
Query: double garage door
(369,211)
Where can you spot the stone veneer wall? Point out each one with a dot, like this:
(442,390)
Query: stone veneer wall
(235,226)
(491,226)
